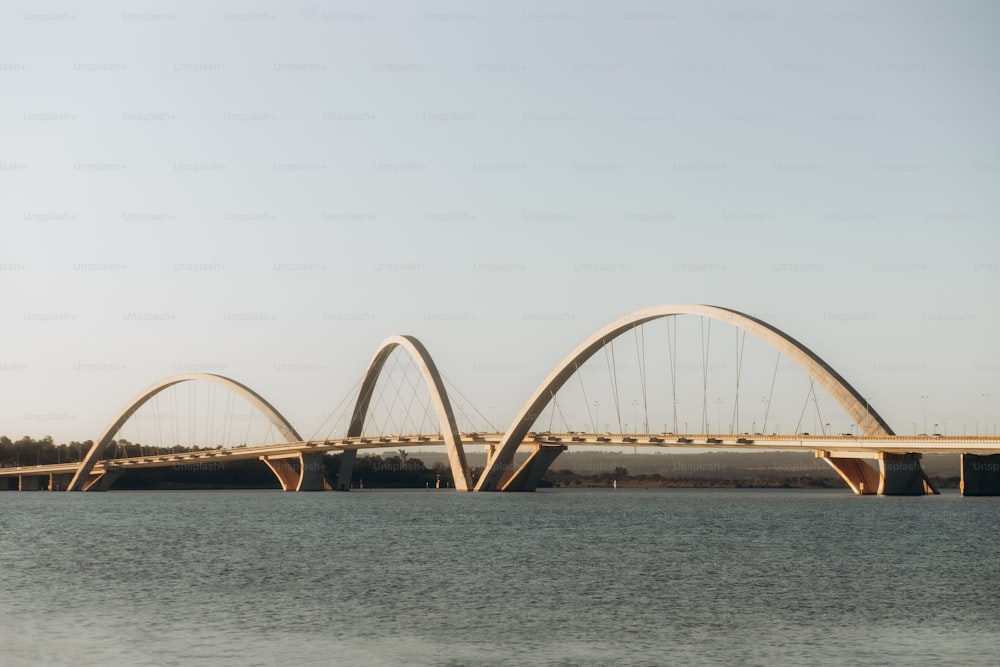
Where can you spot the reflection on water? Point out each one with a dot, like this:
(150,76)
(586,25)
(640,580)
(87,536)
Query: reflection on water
(564,577)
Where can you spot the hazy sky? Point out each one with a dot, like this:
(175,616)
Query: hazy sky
(269,189)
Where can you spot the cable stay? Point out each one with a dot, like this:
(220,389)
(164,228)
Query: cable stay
(470,404)
(809,394)
(770,397)
(706,337)
(641,357)
(740,347)
(672,352)
(613,373)
(586,402)
(555,402)
(332,433)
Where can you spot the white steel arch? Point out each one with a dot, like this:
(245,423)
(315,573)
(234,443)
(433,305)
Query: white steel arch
(435,385)
(869,422)
(255,399)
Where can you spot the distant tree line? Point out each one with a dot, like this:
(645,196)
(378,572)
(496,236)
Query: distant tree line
(370,470)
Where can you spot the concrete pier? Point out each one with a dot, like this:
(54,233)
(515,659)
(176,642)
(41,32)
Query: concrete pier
(980,475)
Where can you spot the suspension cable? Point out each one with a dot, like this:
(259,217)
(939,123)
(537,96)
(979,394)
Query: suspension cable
(706,338)
(613,372)
(470,403)
(805,405)
(740,347)
(774,377)
(641,357)
(672,353)
(586,401)
(336,409)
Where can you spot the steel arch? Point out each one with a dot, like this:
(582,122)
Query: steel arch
(869,422)
(255,399)
(435,385)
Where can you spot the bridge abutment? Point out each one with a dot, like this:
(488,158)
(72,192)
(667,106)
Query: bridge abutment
(980,475)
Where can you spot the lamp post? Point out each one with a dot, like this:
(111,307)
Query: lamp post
(764,399)
(924,400)
(986,421)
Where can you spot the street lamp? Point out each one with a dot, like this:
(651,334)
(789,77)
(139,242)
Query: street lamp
(986,422)
(635,414)
(924,399)
(597,416)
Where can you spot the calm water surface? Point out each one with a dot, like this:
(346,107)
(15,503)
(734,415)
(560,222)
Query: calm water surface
(563,577)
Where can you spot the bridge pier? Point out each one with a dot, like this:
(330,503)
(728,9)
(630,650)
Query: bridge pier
(980,475)
(897,474)
(30,482)
(861,477)
(309,475)
(60,482)
(903,476)
(347,458)
(527,477)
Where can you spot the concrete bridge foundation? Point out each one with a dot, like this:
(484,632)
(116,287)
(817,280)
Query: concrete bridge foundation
(897,474)
(298,471)
(980,475)
(30,482)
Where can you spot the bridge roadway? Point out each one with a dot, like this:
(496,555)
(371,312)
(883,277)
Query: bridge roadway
(829,447)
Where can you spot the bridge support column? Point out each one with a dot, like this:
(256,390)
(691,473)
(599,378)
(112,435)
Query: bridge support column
(312,472)
(347,458)
(980,475)
(527,477)
(903,476)
(60,482)
(283,469)
(897,474)
(30,482)
(308,475)
(861,477)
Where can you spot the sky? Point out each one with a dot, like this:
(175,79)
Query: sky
(267,190)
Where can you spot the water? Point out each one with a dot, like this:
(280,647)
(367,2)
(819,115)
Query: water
(559,577)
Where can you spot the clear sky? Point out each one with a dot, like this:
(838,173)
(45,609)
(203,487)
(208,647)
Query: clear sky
(269,189)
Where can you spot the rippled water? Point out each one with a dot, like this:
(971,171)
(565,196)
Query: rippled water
(560,577)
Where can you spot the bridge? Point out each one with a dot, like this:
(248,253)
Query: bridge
(874,460)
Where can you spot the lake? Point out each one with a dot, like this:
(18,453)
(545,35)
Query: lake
(557,577)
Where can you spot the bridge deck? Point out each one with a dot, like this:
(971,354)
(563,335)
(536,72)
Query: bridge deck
(843,444)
